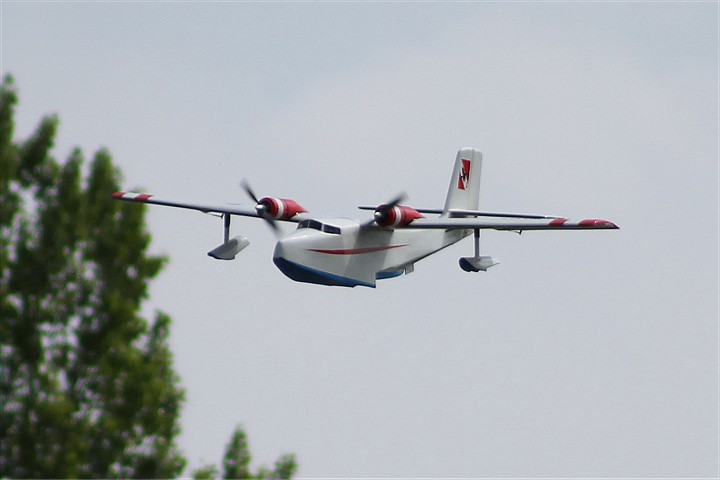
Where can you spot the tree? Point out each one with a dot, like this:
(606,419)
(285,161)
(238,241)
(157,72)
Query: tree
(87,385)
(236,462)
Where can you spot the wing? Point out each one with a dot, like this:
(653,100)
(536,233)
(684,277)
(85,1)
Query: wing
(511,224)
(212,208)
(465,213)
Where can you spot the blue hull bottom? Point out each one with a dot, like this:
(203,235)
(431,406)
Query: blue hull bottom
(301,273)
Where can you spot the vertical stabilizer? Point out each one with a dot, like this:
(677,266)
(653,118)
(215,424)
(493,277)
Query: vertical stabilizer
(464,190)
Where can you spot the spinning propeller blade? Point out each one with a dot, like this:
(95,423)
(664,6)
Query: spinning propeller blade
(382,210)
(399,198)
(248,189)
(260,208)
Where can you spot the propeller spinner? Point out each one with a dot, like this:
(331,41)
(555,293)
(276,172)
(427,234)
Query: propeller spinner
(272,208)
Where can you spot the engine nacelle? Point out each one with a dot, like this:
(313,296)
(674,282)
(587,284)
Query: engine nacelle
(278,208)
(397,216)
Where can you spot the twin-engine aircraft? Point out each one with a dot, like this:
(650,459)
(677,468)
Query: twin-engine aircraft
(348,253)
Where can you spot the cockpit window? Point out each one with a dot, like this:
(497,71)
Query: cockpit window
(315,225)
(331,229)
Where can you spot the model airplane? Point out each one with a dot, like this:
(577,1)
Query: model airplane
(348,253)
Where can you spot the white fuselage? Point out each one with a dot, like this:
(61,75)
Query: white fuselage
(339,252)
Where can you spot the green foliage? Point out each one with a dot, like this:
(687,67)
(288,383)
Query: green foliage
(207,472)
(236,463)
(87,385)
(285,466)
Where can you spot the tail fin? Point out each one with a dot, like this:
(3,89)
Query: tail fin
(464,190)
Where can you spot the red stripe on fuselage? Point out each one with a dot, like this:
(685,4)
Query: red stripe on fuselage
(354,251)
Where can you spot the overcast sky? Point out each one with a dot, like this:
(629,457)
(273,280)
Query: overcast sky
(583,354)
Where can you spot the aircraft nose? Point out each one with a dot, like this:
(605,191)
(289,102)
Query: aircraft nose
(285,248)
(279,249)
(287,258)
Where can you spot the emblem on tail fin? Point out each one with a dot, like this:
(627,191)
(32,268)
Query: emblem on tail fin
(464,175)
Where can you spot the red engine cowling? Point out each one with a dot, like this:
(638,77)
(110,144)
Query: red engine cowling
(278,208)
(397,216)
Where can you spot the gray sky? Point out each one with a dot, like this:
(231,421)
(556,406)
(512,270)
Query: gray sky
(583,354)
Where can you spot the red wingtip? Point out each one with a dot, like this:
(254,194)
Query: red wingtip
(597,223)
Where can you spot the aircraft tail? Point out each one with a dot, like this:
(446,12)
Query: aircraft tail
(464,190)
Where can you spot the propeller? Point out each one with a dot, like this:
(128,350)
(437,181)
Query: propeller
(382,211)
(260,207)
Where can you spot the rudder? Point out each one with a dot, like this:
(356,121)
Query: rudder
(464,190)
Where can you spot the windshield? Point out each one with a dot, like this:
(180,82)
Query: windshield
(315,225)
